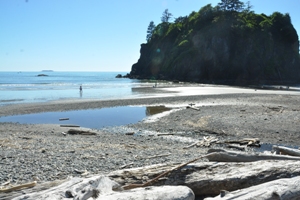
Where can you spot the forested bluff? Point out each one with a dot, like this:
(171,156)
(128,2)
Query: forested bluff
(225,44)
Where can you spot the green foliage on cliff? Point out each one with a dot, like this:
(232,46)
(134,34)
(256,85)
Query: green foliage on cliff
(225,43)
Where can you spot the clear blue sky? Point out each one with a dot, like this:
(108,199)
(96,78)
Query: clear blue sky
(92,35)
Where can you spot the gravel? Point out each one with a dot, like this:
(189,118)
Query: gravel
(41,152)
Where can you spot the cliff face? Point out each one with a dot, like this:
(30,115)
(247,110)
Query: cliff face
(222,47)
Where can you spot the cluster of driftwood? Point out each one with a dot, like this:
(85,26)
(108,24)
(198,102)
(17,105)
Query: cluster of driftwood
(226,175)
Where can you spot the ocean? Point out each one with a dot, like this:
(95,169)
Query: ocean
(28,87)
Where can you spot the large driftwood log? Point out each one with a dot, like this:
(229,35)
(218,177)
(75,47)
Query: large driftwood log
(286,150)
(232,156)
(283,189)
(76,188)
(209,178)
(102,188)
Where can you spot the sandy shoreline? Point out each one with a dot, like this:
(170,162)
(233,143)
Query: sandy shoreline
(153,96)
(41,152)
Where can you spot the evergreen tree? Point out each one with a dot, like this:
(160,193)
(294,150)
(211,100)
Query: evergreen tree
(166,16)
(231,5)
(150,30)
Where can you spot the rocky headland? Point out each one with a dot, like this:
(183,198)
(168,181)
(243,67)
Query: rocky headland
(214,45)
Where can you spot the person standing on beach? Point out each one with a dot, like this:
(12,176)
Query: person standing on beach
(80,88)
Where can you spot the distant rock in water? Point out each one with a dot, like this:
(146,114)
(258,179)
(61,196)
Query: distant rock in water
(222,47)
(47,70)
(120,76)
(42,75)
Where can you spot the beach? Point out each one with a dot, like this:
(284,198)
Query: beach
(45,152)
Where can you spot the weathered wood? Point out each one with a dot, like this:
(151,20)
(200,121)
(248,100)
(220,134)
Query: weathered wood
(78,188)
(153,193)
(129,133)
(18,187)
(126,165)
(69,125)
(132,186)
(245,141)
(284,189)
(192,107)
(206,141)
(63,119)
(191,145)
(209,178)
(231,156)
(242,148)
(102,188)
(286,150)
(80,132)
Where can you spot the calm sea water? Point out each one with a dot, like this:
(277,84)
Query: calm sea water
(25,87)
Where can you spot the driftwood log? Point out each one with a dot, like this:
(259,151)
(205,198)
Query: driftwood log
(232,156)
(283,189)
(80,132)
(69,125)
(209,178)
(245,141)
(102,188)
(206,142)
(286,151)
(203,178)
(18,187)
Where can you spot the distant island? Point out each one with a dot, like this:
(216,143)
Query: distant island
(47,70)
(42,75)
(225,44)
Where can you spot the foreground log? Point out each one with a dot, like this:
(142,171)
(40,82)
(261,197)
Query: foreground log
(286,151)
(102,188)
(284,189)
(209,178)
(232,156)
(18,187)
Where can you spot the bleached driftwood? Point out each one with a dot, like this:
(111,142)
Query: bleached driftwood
(148,183)
(232,156)
(78,188)
(284,189)
(192,107)
(126,165)
(102,188)
(209,178)
(245,141)
(80,132)
(18,187)
(286,150)
(153,193)
(242,148)
(69,125)
(206,142)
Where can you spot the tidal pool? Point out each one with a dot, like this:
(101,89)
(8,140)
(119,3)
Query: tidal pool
(91,118)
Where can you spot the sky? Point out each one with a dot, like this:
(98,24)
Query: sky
(93,35)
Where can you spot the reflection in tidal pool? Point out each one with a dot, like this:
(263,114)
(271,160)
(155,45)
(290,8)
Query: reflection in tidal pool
(92,118)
